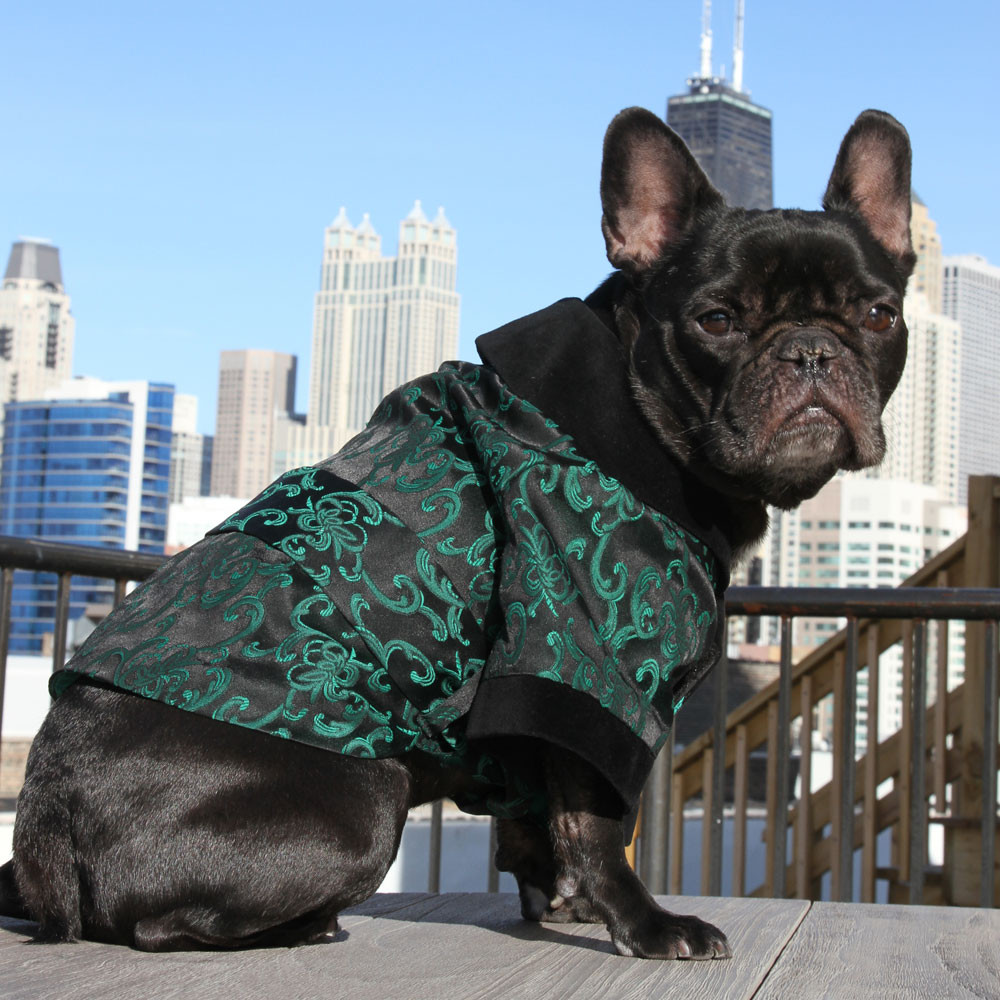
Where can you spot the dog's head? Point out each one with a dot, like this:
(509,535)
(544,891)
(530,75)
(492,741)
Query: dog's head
(763,345)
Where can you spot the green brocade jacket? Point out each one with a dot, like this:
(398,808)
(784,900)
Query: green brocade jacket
(504,551)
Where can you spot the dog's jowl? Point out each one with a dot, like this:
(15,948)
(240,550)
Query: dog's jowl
(499,592)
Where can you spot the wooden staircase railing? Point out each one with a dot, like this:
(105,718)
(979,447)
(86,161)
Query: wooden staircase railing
(940,767)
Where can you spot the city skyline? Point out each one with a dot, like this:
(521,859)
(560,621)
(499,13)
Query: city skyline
(185,186)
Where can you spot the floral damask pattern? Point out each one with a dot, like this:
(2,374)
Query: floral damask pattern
(459,539)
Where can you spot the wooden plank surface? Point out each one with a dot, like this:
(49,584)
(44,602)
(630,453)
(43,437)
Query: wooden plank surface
(879,952)
(416,947)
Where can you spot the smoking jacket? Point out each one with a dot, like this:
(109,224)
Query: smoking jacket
(504,551)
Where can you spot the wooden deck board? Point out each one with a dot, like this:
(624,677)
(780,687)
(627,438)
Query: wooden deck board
(471,946)
(878,952)
(488,951)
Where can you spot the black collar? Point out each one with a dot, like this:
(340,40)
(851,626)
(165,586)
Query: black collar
(566,362)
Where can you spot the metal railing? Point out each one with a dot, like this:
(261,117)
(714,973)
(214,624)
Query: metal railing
(944,751)
(765,720)
(66,561)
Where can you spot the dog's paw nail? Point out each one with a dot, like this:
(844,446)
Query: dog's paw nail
(683,949)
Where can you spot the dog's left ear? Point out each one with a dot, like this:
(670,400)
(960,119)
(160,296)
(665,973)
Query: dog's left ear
(872,178)
(652,189)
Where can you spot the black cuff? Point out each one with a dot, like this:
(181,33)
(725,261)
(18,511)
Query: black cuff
(523,705)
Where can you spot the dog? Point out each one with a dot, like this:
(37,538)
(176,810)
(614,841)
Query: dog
(500,592)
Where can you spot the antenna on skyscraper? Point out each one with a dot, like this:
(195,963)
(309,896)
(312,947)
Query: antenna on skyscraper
(738,49)
(706,40)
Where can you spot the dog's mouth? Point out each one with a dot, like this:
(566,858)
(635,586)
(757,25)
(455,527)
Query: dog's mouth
(815,432)
(813,418)
(789,412)
(787,437)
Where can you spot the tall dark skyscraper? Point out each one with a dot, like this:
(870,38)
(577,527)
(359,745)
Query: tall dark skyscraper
(729,135)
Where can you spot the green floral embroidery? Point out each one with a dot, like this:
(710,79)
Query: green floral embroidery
(460,537)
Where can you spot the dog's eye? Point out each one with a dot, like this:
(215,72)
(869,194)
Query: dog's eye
(716,322)
(880,319)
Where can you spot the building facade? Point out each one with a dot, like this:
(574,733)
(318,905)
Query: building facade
(256,388)
(730,137)
(378,321)
(190,452)
(922,418)
(926,277)
(89,463)
(971,296)
(861,532)
(36,325)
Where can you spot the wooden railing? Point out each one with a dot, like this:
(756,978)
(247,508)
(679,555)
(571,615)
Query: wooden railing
(930,771)
(939,768)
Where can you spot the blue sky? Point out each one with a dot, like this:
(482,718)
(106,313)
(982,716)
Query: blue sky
(187,157)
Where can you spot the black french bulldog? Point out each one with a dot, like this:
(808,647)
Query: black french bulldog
(560,522)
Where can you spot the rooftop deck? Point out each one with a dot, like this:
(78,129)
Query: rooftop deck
(426,947)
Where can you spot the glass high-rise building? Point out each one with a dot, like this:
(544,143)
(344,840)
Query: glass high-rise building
(730,137)
(87,464)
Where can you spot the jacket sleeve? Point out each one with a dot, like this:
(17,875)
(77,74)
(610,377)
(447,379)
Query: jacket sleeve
(607,614)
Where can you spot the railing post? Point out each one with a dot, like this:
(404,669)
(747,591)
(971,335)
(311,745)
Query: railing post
(492,872)
(434,858)
(989,823)
(61,623)
(778,846)
(718,775)
(843,887)
(918,752)
(654,845)
(6,587)
(964,832)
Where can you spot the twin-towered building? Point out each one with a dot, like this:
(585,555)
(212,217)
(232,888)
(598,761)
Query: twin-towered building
(378,321)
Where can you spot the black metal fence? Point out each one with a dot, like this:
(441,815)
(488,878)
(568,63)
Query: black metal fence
(917,604)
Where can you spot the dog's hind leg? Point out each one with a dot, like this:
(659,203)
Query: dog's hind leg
(182,832)
(194,927)
(47,884)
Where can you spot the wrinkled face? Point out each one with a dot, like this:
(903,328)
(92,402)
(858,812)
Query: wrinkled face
(772,343)
(763,345)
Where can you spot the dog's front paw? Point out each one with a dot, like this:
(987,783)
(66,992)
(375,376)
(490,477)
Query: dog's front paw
(660,934)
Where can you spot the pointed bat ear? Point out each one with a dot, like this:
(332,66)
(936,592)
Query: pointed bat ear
(652,189)
(871,179)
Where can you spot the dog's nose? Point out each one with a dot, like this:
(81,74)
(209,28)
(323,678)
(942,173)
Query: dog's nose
(809,348)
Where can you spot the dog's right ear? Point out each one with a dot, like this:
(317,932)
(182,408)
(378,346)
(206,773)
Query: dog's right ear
(651,189)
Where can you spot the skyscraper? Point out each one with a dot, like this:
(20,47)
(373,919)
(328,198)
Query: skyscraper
(89,463)
(927,244)
(36,326)
(379,321)
(922,419)
(256,388)
(190,452)
(971,295)
(729,135)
